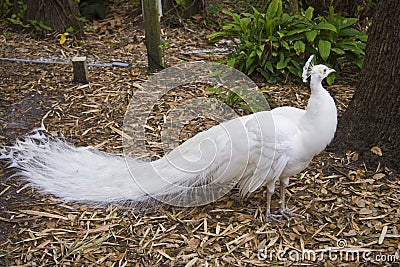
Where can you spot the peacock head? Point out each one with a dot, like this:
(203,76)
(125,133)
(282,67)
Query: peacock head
(318,72)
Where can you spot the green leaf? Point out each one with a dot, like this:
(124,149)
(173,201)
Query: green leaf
(269,66)
(250,59)
(269,27)
(236,18)
(299,47)
(282,62)
(274,9)
(213,90)
(311,35)
(231,62)
(285,44)
(264,73)
(363,38)
(330,79)
(297,65)
(280,34)
(323,25)
(324,48)
(244,24)
(296,31)
(286,17)
(70,29)
(45,27)
(231,27)
(351,46)
(338,51)
(362,46)
(294,70)
(309,13)
(216,35)
(359,62)
(251,69)
(349,32)
(347,22)
(260,52)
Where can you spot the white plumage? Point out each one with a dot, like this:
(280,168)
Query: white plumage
(250,151)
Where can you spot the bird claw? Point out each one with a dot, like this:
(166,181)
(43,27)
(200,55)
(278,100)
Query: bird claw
(273,217)
(280,214)
(288,213)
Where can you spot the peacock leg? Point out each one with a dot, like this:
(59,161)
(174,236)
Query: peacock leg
(287,213)
(269,216)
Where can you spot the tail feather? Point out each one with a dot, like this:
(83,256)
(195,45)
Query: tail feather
(73,173)
(197,172)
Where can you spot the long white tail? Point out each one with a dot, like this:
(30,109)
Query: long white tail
(195,173)
(72,173)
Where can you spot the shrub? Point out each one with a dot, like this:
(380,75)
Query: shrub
(275,44)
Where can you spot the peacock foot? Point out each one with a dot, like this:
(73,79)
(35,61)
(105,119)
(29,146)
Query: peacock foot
(289,213)
(271,217)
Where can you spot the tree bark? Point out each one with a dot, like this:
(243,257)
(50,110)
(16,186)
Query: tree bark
(57,14)
(294,7)
(189,8)
(373,115)
(152,35)
(193,7)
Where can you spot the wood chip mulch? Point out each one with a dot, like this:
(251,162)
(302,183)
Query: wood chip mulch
(347,204)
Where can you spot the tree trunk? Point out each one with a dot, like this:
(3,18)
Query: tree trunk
(373,116)
(294,7)
(186,9)
(57,14)
(193,7)
(152,35)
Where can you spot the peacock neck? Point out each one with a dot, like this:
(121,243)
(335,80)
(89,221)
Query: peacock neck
(320,104)
(320,120)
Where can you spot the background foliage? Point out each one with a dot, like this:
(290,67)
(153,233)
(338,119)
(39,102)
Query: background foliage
(274,43)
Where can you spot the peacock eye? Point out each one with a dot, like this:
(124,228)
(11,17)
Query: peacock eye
(325,71)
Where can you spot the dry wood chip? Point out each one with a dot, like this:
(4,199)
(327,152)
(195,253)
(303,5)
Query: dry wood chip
(103,228)
(383,234)
(44,214)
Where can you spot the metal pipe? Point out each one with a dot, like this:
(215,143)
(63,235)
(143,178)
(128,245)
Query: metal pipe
(35,61)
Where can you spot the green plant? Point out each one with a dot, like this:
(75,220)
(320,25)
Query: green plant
(38,25)
(214,9)
(165,44)
(235,100)
(88,27)
(181,3)
(17,18)
(275,44)
(5,6)
(230,98)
